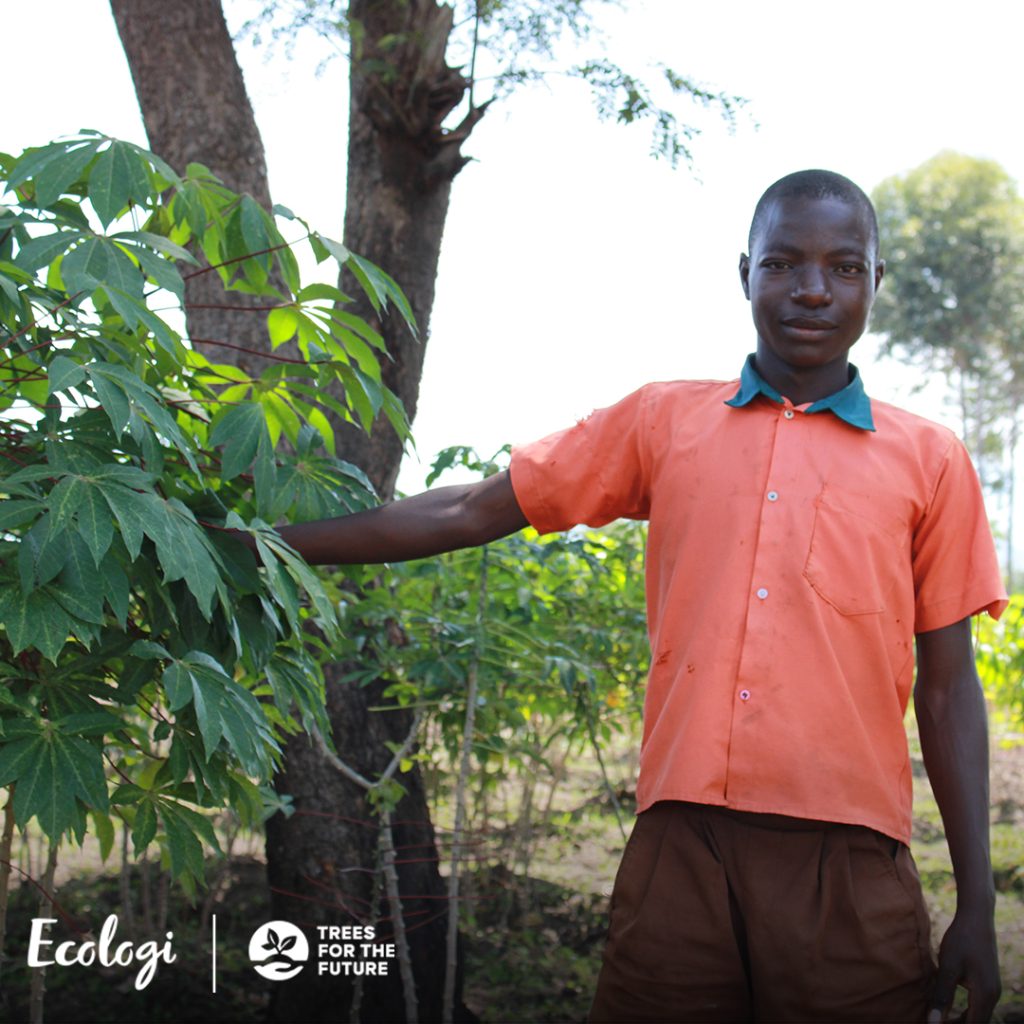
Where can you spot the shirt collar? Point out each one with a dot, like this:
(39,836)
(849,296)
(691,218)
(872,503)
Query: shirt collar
(851,404)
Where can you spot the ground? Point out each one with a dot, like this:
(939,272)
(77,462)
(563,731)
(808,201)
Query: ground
(533,940)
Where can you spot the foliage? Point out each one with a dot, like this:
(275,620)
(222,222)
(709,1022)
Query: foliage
(503,44)
(149,666)
(564,648)
(952,233)
(999,650)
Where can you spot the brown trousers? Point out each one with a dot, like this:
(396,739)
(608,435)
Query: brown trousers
(719,915)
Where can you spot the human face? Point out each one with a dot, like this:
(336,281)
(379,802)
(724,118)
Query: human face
(811,278)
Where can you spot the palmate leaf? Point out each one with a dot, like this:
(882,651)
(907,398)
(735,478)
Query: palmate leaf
(239,430)
(120,176)
(43,793)
(79,765)
(185,553)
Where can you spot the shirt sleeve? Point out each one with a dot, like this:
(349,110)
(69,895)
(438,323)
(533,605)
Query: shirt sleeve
(591,473)
(956,572)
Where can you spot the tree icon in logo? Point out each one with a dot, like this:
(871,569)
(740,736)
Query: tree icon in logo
(278,950)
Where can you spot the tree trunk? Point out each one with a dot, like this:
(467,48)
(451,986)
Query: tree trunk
(400,168)
(196,110)
(401,165)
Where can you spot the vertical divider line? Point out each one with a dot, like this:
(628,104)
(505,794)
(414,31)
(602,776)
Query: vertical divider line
(213,951)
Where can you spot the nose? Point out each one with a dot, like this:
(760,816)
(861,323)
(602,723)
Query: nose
(811,288)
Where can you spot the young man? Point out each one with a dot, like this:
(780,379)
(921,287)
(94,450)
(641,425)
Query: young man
(802,536)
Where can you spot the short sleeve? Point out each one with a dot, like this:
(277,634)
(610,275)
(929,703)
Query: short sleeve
(956,572)
(591,473)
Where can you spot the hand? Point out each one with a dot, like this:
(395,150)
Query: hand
(967,957)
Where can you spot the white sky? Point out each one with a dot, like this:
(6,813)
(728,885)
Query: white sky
(575,267)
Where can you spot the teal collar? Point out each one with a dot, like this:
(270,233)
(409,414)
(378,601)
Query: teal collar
(851,404)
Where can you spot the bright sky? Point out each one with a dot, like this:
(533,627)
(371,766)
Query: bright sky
(575,267)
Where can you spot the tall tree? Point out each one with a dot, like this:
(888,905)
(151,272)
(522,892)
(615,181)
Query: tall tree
(409,114)
(952,233)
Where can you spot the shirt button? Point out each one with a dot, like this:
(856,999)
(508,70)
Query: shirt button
(788,414)
(744,695)
(773,495)
(762,593)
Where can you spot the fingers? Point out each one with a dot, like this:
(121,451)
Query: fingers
(943,993)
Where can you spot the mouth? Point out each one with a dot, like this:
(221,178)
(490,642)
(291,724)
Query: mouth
(815,325)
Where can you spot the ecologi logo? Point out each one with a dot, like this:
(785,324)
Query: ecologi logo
(278,950)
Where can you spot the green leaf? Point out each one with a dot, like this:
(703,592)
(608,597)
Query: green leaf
(62,373)
(134,513)
(205,698)
(148,649)
(162,272)
(112,398)
(41,554)
(158,242)
(17,511)
(380,287)
(81,586)
(84,608)
(282,323)
(41,793)
(177,681)
(119,176)
(42,251)
(63,171)
(116,588)
(52,626)
(178,761)
(185,553)
(16,757)
(144,826)
(95,524)
(84,269)
(103,828)
(79,765)
(239,430)
(183,847)
(65,499)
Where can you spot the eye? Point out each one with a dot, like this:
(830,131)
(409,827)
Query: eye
(851,268)
(771,264)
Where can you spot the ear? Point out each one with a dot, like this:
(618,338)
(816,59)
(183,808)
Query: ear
(745,274)
(879,274)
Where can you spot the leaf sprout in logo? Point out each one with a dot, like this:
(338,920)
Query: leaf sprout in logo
(278,950)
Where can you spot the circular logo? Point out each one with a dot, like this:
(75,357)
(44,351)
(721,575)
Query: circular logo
(278,950)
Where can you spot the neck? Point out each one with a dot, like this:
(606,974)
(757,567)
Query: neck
(802,385)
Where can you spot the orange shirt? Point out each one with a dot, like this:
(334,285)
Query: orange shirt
(791,559)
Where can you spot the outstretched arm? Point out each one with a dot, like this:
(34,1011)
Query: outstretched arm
(445,519)
(952,723)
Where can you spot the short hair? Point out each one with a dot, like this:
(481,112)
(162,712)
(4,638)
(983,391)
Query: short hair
(813,184)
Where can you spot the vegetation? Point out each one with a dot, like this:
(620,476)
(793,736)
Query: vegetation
(149,669)
(952,232)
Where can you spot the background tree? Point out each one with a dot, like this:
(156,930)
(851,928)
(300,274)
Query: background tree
(410,112)
(952,234)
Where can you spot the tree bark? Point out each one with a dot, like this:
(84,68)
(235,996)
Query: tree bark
(401,165)
(400,168)
(196,110)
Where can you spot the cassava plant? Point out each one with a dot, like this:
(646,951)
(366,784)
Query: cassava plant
(149,664)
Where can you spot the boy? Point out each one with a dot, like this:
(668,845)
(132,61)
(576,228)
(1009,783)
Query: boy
(801,537)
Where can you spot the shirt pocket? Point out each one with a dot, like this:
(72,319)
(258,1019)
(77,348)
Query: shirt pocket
(856,553)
